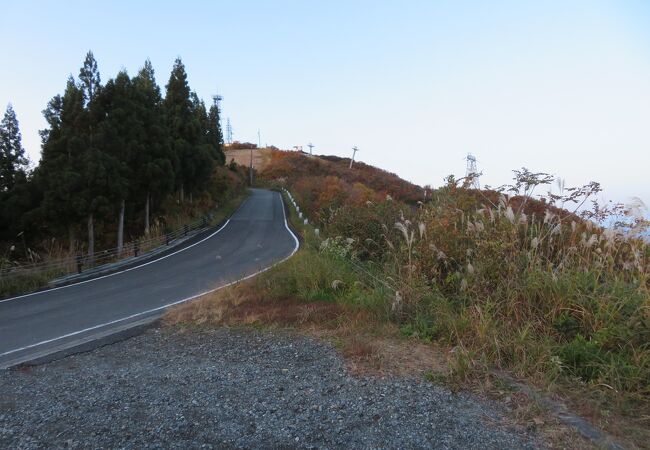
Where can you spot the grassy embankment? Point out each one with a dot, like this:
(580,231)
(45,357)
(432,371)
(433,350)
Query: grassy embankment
(319,293)
(504,284)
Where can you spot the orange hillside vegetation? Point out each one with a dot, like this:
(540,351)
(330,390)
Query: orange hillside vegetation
(363,181)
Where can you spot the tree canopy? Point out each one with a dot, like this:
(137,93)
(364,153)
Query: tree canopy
(108,149)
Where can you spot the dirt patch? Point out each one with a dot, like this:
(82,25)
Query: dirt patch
(369,346)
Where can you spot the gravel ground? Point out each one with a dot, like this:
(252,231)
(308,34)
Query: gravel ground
(228,388)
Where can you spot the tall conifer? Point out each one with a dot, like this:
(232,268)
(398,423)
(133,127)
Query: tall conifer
(13,162)
(154,158)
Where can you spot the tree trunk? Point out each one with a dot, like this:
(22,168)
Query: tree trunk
(120,229)
(71,238)
(182,194)
(146,216)
(191,198)
(91,239)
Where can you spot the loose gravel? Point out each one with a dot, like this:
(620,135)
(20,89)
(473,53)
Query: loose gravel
(235,388)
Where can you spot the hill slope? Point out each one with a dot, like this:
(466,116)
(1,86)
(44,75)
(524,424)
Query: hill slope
(510,282)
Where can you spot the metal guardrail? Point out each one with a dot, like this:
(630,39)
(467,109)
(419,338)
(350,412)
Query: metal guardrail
(78,263)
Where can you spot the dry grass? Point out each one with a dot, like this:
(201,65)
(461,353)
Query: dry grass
(368,346)
(242,156)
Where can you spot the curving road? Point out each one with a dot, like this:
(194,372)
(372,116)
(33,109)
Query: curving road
(42,323)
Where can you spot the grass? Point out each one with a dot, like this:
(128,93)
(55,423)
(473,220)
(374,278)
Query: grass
(299,295)
(316,294)
(512,286)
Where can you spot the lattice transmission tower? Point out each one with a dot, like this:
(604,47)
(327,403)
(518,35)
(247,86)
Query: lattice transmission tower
(216,99)
(472,171)
(228,131)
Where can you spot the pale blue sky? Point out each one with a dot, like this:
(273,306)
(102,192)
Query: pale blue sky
(562,87)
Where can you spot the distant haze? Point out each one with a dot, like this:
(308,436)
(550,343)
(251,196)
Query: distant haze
(560,87)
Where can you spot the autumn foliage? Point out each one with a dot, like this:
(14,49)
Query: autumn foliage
(324,184)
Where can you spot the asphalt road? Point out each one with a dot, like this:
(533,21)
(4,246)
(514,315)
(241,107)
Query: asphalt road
(38,324)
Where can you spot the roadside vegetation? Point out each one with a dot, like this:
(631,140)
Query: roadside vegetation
(120,163)
(502,281)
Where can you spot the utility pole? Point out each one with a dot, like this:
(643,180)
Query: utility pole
(354,152)
(251,167)
(310,145)
(259,141)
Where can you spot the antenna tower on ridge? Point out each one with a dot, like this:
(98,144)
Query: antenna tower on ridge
(472,172)
(217,101)
(228,131)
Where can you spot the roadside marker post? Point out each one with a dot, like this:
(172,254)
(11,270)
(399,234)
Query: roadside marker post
(79,263)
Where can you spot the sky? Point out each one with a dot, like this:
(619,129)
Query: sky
(555,86)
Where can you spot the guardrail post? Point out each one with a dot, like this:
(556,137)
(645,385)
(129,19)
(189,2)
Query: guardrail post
(79,263)
(185,229)
(136,248)
(167,238)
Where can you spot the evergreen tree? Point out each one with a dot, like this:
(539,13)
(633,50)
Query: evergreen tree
(153,158)
(14,194)
(215,135)
(201,160)
(98,167)
(52,115)
(116,141)
(89,78)
(13,162)
(183,133)
(59,173)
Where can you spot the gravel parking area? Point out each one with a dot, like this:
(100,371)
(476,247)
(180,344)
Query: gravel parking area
(234,388)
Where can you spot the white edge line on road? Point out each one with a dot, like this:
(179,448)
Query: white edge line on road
(125,270)
(113,322)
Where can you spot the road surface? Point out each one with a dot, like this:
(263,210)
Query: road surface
(38,324)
